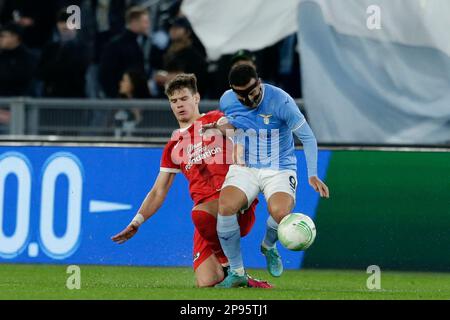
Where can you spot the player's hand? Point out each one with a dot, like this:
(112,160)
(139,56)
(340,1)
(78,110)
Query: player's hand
(223,125)
(125,234)
(208,126)
(211,125)
(319,187)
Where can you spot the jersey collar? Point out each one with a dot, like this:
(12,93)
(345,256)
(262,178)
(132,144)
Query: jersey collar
(181,130)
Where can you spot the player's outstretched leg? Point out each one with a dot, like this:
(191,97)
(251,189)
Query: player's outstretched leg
(269,248)
(252,282)
(233,280)
(279,205)
(273,260)
(228,231)
(257,283)
(229,236)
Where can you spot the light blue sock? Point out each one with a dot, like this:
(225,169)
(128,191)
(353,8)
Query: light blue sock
(229,234)
(271,236)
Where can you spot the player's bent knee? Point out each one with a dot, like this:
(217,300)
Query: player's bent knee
(227,210)
(279,212)
(280,205)
(231,200)
(206,283)
(209,272)
(209,280)
(228,207)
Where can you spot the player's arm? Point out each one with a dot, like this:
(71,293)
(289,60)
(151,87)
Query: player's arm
(300,127)
(306,136)
(155,198)
(151,204)
(223,125)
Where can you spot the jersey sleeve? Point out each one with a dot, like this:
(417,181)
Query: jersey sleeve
(215,115)
(225,106)
(167,163)
(290,113)
(223,103)
(306,136)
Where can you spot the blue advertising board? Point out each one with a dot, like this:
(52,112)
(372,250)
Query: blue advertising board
(61,205)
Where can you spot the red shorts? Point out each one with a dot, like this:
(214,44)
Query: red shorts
(206,241)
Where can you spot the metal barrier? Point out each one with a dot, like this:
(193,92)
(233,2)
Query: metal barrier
(91,117)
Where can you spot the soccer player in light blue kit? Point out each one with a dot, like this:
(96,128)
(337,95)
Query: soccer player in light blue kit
(262,118)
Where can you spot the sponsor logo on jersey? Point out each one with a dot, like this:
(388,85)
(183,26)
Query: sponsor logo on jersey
(196,256)
(198,153)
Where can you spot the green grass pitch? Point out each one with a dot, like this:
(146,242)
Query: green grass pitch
(108,282)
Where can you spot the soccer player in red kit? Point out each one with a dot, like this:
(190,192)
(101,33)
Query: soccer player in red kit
(204,159)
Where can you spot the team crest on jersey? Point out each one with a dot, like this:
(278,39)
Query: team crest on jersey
(266,117)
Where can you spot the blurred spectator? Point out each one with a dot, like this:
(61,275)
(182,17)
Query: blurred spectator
(219,79)
(109,21)
(2,4)
(163,14)
(132,86)
(289,66)
(5,119)
(243,57)
(63,63)
(36,17)
(131,49)
(167,10)
(267,62)
(277,64)
(182,56)
(17,63)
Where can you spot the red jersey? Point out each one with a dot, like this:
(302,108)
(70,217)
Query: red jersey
(203,158)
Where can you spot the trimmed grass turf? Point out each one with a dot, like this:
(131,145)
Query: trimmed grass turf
(108,282)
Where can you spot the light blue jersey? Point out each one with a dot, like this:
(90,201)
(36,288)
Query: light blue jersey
(267,130)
